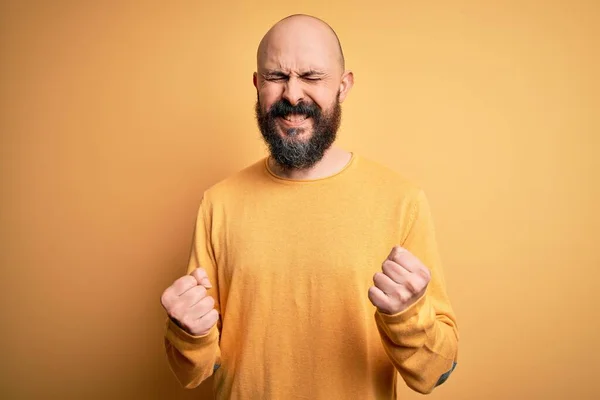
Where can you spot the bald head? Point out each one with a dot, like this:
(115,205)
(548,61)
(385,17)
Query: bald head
(300,39)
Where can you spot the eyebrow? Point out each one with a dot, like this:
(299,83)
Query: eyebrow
(311,72)
(278,73)
(274,73)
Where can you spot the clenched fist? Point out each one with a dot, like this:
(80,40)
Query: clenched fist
(403,281)
(187,303)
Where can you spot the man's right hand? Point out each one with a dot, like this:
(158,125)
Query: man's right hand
(188,304)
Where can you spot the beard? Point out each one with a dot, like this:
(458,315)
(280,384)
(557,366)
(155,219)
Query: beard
(287,150)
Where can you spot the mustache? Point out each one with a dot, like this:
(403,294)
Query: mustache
(283,108)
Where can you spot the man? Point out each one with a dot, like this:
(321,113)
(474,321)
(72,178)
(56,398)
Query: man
(314,273)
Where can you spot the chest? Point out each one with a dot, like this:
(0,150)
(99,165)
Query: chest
(303,244)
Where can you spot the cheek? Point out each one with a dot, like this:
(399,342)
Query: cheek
(264,105)
(267,95)
(324,97)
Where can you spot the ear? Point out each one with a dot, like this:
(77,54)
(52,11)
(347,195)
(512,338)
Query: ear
(255,80)
(345,85)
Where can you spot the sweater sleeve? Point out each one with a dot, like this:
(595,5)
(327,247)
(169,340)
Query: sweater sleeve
(194,358)
(422,341)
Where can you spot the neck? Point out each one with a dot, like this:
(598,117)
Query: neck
(334,160)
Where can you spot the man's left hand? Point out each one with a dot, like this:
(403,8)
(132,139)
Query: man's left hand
(403,281)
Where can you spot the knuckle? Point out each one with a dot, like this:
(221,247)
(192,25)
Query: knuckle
(204,305)
(199,273)
(414,284)
(165,298)
(176,311)
(404,297)
(399,292)
(392,255)
(181,281)
(205,323)
(177,282)
(194,274)
(184,320)
(387,266)
(201,291)
(401,252)
(215,316)
(378,279)
(379,302)
(187,320)
(372,295)
(188,323)
(397,250)
(179,285)
(211,302)
(419,282)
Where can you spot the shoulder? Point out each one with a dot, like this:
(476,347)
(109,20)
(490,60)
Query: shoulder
(236,184)
(384,179)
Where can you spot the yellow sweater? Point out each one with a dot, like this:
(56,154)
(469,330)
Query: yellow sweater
(291,262)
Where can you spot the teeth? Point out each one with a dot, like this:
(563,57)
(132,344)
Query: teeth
(295,118)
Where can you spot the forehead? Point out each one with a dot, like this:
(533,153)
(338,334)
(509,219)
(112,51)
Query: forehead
(296,58)
(298,50)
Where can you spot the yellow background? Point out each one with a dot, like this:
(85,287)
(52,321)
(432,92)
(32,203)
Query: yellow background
(115,116)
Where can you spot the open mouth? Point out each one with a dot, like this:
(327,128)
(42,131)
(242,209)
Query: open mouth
(294,120)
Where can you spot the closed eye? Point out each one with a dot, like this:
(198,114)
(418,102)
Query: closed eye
(312,76)
(276,77)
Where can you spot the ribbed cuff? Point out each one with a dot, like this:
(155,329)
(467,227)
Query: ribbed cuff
(182,340)
(409,327)
(405,314)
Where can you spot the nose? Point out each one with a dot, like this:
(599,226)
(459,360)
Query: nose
(292,91)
